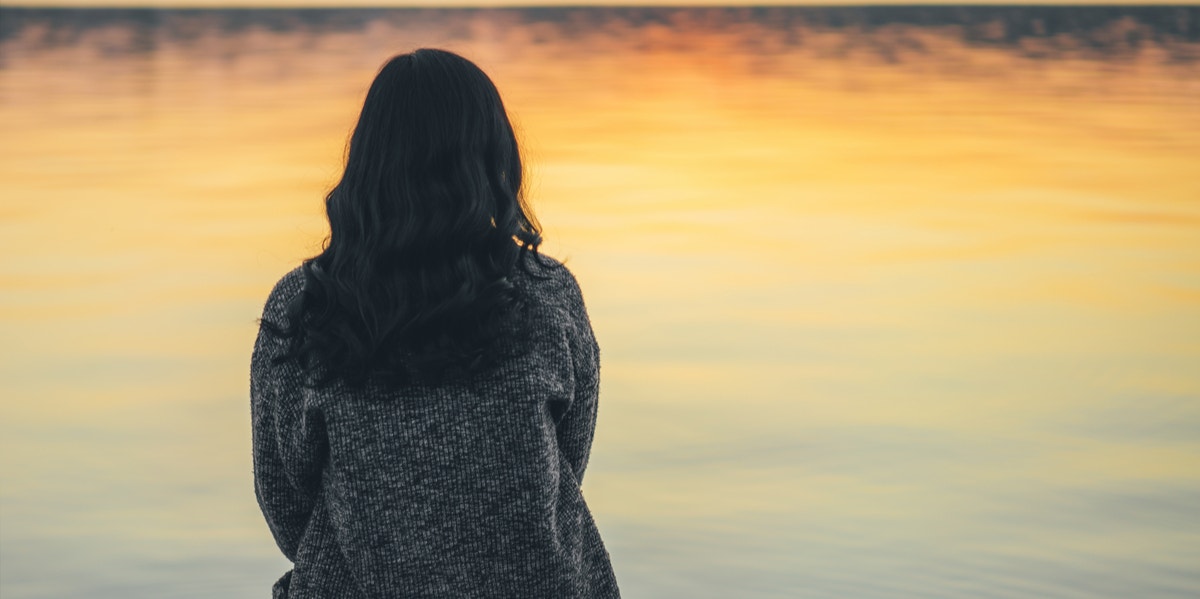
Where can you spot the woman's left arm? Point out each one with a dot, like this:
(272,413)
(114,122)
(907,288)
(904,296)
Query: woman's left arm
(289,446)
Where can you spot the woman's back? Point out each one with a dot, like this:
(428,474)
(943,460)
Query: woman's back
(461,489)
(424,391)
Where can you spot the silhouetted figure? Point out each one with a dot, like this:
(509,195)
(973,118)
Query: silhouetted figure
(424,391)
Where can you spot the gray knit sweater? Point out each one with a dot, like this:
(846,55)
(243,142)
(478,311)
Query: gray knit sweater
(465,490)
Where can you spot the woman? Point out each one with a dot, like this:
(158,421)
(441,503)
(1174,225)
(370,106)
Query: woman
(424,391)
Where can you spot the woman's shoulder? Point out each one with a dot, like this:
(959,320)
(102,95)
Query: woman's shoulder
(283,292)
(542,277)
(549,278)
(554,295)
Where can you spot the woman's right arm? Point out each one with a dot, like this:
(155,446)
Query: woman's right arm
(578,425)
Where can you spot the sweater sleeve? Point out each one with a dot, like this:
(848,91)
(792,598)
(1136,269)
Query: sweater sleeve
(578,424)
(289,445)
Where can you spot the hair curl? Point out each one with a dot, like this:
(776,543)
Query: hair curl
(426,226)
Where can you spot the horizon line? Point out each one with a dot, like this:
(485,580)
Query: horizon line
(465,4)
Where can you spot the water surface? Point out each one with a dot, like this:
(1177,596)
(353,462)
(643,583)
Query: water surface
(893,302)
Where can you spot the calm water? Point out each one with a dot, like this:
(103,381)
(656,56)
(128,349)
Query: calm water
(893,302)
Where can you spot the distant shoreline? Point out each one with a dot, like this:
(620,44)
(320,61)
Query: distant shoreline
(987,24)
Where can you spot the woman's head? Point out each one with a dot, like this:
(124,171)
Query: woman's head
(434,155)
(426,225)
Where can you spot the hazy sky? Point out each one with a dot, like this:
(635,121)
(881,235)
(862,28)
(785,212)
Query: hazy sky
(336,3)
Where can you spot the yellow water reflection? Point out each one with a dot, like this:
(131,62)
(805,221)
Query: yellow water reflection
(887,309)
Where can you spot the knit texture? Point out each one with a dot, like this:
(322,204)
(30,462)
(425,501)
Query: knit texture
(467,490)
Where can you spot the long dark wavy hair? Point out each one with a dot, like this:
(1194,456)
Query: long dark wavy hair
(427,224)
